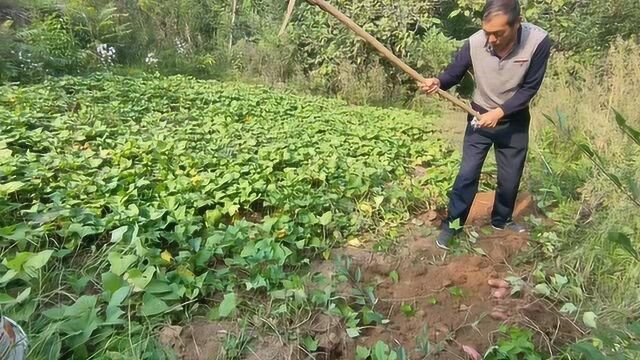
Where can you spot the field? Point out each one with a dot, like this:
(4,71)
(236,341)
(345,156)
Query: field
(128,203)
(158,217)
(155,205)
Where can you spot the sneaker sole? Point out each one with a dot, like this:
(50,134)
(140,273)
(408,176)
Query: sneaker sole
(443,247)
(518,232)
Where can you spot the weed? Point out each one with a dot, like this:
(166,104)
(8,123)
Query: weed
(515,344)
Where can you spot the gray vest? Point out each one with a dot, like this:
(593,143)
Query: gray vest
(498,79)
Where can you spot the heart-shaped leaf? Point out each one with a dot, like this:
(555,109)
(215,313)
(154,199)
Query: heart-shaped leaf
(120,263)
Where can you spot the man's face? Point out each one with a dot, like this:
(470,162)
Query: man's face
(499,34)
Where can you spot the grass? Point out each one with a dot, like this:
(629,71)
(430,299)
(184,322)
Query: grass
(583,203)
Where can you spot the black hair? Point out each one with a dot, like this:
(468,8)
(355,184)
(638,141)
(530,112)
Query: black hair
(511,8)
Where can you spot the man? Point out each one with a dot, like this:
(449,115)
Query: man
(509,61)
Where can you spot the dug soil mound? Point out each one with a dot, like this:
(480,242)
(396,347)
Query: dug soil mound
(448,297)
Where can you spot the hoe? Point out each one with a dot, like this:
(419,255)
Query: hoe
(386,53)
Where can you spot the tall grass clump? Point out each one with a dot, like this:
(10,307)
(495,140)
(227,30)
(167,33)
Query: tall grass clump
(586,205)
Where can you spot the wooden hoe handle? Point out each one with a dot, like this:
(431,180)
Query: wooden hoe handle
(387,53)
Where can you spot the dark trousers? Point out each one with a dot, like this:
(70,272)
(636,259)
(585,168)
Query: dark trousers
(510,140)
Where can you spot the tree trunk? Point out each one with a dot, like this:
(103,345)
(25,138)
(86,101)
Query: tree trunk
(234,8)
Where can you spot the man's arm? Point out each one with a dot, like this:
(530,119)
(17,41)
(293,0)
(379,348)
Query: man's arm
(454,73)
(532,81)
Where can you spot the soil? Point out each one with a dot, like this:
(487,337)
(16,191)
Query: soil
(448,293)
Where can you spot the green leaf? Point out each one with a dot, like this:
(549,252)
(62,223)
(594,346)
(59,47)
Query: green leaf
(589,351)
(568,308)
(401,354)
(11,187)
(18,261)
(111,282)
(589,319)
(394,276)
(407,310)
(151,305)
(353,332)
(632,133)
(83,306)
(516,284)
(5,299)
(5,154)
(560,280)
(120,263)
(56,313)
(8,276)
(380,351)
(119,296)
(37,261)
(369,316)
(310,343)
(81,230)
(455,225)
(624,241)
(362,353)
(117,234)
(213,217)
(139,279)
(456,292)
(326,218)
(542,289)
(228,305)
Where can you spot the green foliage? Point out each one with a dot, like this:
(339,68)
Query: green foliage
(381,351)
(515,344)
(630,190)
(608,343)
(125,194)
(325,47)
(582,28)
(51,47)
(425,347)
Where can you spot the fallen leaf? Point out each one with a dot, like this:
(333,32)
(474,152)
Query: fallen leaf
(166,256)
(355,242)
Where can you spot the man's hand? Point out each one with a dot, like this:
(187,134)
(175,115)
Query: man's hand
(430,86)
(491,119)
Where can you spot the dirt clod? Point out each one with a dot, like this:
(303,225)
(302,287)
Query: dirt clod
(498,283)
(499,315)
(500,293)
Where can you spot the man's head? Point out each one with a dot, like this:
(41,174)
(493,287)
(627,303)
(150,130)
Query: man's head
(500,22)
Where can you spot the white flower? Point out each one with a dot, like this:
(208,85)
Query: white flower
(151,59)
(181,46)
(107,54)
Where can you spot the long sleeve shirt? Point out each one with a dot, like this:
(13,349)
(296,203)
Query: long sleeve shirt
(528,87)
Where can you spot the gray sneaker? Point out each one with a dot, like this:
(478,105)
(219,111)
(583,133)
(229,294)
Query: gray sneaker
(444,238)
(511,226)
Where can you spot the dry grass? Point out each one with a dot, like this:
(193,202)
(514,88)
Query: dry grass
(587,95)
